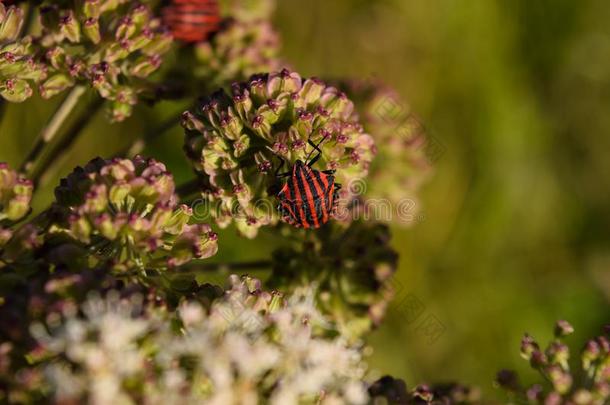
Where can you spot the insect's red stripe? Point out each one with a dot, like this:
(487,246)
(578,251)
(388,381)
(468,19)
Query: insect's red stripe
(298,197)
(305,184)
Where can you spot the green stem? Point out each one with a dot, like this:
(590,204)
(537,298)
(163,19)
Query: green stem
(42,174)
(28,21)
(52,128)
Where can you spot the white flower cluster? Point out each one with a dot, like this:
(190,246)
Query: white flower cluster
(251,347)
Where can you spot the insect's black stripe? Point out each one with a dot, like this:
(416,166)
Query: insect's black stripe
(324,179)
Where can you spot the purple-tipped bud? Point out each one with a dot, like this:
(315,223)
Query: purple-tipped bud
(528,347)
(563,328)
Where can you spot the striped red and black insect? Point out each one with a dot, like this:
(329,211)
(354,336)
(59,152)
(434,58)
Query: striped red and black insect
(309,197)
(192,20)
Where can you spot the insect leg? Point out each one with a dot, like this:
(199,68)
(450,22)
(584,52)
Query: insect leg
(317,149)
(282,162)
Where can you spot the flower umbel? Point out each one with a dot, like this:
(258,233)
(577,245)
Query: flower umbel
(402,164)
(269,354)
(352,269)
(237,142)
(239,50)
(112,45)
(126,210)
(567,385)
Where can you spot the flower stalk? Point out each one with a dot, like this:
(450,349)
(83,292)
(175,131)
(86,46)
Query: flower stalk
(43,173)
(52,128)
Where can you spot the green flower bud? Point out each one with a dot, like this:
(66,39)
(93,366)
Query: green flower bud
(18,69)
(352,269)
(126,211)
(15,198)
(145,65)
(11,20)
(558,353)
(528,347)
(92,9)
(91,27)
(195,242)
(561,379)
(55,85)
(15,90)
(590,353)
(563,328)
(69,26)
(237,143)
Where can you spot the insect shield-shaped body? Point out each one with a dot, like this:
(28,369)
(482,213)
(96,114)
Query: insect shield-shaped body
(309,197)
(192,20)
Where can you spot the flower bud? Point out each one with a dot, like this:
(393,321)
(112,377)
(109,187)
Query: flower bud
(55,85)
(561,379)
(528,346)
(15,198)
(91,27)
(590,353)
(92,9)
(558,353)
(15,90)
(11,20)
(69,26)
(563,328)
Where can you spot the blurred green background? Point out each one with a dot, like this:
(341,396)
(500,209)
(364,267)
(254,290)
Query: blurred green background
(516,221)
